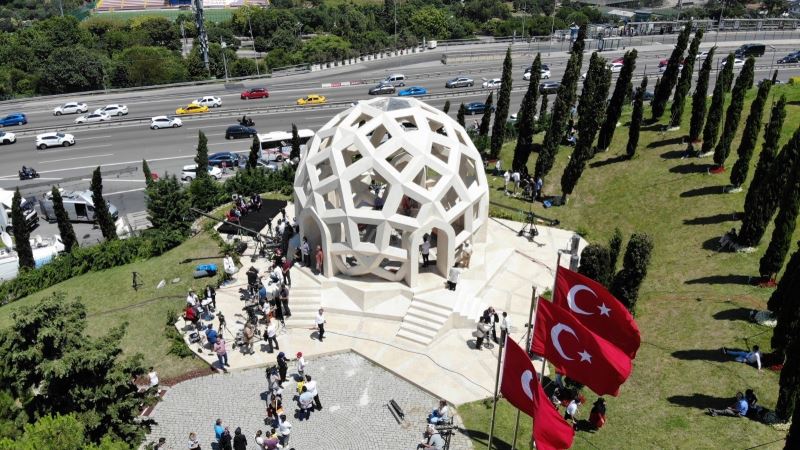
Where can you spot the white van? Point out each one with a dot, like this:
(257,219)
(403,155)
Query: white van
(395,79)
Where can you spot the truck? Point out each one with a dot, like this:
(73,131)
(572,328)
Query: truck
(31,217)
(78,205)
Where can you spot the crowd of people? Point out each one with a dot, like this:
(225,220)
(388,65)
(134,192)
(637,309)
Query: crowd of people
(487,327)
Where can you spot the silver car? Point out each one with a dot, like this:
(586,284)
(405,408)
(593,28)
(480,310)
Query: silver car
(459,82)
(70,108)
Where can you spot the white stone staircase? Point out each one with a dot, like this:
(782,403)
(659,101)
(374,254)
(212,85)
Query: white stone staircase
(423,321)
(304,299)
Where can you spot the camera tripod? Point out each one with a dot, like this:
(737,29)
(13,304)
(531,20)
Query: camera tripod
(529,227)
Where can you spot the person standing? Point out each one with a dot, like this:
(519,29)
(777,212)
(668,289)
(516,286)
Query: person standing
(480,333)
(306,401)
(466,254)
(305,251)
(194,444)
(259,438)
(218,430)
(320,321)
(505,327)
(283,366)
(506,180)
(239,441)
(301,365)
(272,339)
(426,251)
(221,349)
(286,265)
(153,376)
(498,167)
(284,430)
(453,277)
(284,299)
(319,256)
(597,416)
(311,385)
(491,318)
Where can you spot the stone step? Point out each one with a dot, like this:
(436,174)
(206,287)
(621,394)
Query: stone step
(422,314)
(421,330)
(413,337)
(429,306)
(423,323)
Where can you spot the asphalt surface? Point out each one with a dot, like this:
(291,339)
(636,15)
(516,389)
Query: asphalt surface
(120,147)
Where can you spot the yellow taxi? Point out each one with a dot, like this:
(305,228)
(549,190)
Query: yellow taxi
(313,99)
(192,109)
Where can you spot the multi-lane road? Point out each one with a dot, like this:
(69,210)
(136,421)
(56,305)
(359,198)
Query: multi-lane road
(119,145)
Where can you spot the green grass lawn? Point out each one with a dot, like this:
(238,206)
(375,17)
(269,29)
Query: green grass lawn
(110,300)
(212,14)
(691,304)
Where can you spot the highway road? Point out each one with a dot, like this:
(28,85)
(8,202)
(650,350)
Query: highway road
(120,146)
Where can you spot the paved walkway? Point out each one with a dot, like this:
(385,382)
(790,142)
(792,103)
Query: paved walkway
(354,395)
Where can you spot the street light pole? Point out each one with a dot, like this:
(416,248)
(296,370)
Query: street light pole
(771,64)
(255,53)
(552,28)
(719,23)
(224,59)
(394,2)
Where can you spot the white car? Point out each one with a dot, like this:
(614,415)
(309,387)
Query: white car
(189,172)
(208,100)
(494,83)
(55,139)
(113,110)
(701,55)
(7,138)
(737,63)
(615,67)
(70,108)
(544,74)
(165,122)
(93,117)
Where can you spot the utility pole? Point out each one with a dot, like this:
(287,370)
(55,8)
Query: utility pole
(61,7)
(394,2)
(255,54)
(224,58)
(201,31)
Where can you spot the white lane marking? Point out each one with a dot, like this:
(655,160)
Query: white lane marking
(97,146)
(95,137)
(138,161)
(15,179)
(116,180)
(77,157)
(123,192)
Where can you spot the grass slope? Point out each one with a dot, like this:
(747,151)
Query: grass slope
(692,303)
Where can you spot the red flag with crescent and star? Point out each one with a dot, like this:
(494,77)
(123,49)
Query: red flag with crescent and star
(577,352)
(597,309)
(521,387)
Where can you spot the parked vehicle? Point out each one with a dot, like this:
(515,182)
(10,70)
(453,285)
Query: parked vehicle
(43,249)
(28,211)
(55,139)
(255,93)
(381,88)
(71,108)
(228,159)
(396,80)
(78,205)
(208,100)
(113,110)
(7,138)
(93,117)
(189,172)
(165,122)
(459,82)
(239,131)
(13,119)
(412,91)
(748,50)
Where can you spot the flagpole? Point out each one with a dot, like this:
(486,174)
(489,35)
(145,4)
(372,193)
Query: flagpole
(531,318)
(496,387)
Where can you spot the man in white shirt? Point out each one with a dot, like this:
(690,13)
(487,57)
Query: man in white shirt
(284,430)
(305,251)
(498,167)
(311,385)
(572,411)
(452,277)
(191,298)
(272,340)
(153,377)
(320,321)
(506,180)
(229,266)
(276,276)
(515,177)
(753,357)
(426,251)
(505,327)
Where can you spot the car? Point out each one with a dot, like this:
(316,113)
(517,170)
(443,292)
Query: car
(93,117)
(189,172)
(228,159)
(543,66)
(549,87)
(255,93)
(737,63)
(239,131)
(494,83)
(475,108)
(14,119)
(770,79)
(270,166)
(412,91)
(208,100)
(54,139)
(70,108)
(381,88)
(662,65)
(791,58)
(750,50)
(313,99)
(165,122)
(113,110)
(701,55)
(543,75)
(459,82)
(619,60)
(615,67)
(192,108)
(7,138)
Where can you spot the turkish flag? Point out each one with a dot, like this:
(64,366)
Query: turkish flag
(550,430)
(595,307)
(577,352)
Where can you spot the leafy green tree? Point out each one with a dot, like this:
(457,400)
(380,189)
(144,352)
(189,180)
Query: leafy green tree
(71,69)
(157,31)
(614,108)
(255,152)
(503,101)
(614,249)
(446,108)
(670,78)
(627,281)
(786,220)
(101,212)
(21,232)
(148,174)
(699,99)
(595,263)
(429,22)
(151,65)
(460,116)
(168,205)
(12,416)
(325,48)
(590,116)
(525,125)
(743,82)
(750,135)
(544,116)
(685,82)
(726,74)
(636,119)
(561,109)
(711,130)
(763,195)
(65,229)
(46,358)
(486,120)
(295,153)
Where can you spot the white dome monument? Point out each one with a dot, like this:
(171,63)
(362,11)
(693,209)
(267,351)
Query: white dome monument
(380,177)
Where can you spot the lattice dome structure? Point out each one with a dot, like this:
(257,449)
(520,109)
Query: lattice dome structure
(380,177)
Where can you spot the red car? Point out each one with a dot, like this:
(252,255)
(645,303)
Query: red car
(255,93)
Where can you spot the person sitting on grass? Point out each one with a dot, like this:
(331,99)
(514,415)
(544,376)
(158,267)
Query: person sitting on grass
(752,357)
(738,409)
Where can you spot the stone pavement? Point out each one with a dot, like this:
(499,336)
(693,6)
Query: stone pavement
(354,393)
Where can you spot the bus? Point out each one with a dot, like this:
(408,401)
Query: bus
(277,145)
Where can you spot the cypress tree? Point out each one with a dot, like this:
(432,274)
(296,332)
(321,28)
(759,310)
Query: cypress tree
(203,190)
(750,135)
(101,213)
(21,232)
(148,175)
(786,220)
(614,109)
(65,229)
(711,130)
(788,394)
(561,108)
(614,248)
(446,108)
(670,78)
(255,152)
(460,115)
(590,116)
(743,82)
(636,119)
(201,157)
(525,125)
(762,196)
(295,152)
(785,304)
(627,281)
(544,116)
(483,130)
(699,99)
(168,206)
(726,74)
(503,102)
(679,100)
(595,263)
